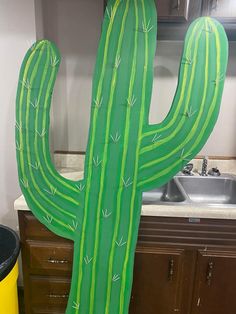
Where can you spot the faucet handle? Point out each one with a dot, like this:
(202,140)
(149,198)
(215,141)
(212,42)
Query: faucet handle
(214,172)
(188,169)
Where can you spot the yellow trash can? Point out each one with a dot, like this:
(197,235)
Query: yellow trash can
(9,251)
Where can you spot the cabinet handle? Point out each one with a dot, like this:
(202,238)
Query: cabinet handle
(58,296)
(171,269)
(57,261)
(177,5)
(209,273)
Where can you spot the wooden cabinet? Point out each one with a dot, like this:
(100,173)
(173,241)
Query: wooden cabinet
(48,295)
(182,266)
(163,274)
(47,266)
(215,282)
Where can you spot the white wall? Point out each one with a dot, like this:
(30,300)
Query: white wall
(17,31)
(222,140)
(75,27)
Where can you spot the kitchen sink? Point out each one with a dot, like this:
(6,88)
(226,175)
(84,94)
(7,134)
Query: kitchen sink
(209,190)
(195,190)
(170,192)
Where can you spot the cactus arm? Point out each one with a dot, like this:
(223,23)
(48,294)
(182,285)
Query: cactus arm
(44,189)
(165,150)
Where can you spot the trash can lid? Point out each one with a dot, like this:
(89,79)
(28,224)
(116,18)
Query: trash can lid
(9,250)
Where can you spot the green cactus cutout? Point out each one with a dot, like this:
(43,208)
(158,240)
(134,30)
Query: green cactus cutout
(125,155)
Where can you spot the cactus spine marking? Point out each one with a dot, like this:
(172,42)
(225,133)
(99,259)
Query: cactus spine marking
(125,155)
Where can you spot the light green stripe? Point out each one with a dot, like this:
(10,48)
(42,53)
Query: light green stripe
(33,75)
(49,88)
(27,138)
(217,86)
(126,138)
(183,91)
(182,88)
(57,176)
(212,107)
(43,210)
(90,154)
(24,78)
(190,135)
(142,114)
(102,180)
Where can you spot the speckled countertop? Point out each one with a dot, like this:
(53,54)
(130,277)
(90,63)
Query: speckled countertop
(187,210)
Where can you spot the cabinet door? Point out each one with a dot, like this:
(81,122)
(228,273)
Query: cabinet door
(224,10)
(49,294)
(162,278)
(215,283)
(51,258)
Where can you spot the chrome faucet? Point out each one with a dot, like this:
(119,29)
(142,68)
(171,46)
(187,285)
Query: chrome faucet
(204,166)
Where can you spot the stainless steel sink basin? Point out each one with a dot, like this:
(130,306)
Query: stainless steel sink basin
(195,190)
(169,192)
(209,190)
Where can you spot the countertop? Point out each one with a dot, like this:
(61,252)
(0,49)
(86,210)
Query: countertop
(186,211)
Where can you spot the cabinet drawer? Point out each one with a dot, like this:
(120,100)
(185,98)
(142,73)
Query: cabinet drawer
(34,229)
(49,294)
(48,310)
(49,257)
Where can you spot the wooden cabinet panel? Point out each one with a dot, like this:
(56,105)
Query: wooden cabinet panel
(187,233)
(177,269)
(34,229)
(49,257)
(49,294)
(215,282)
(48,311)
(159,279)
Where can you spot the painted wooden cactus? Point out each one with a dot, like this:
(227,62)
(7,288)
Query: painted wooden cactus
(125,155)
